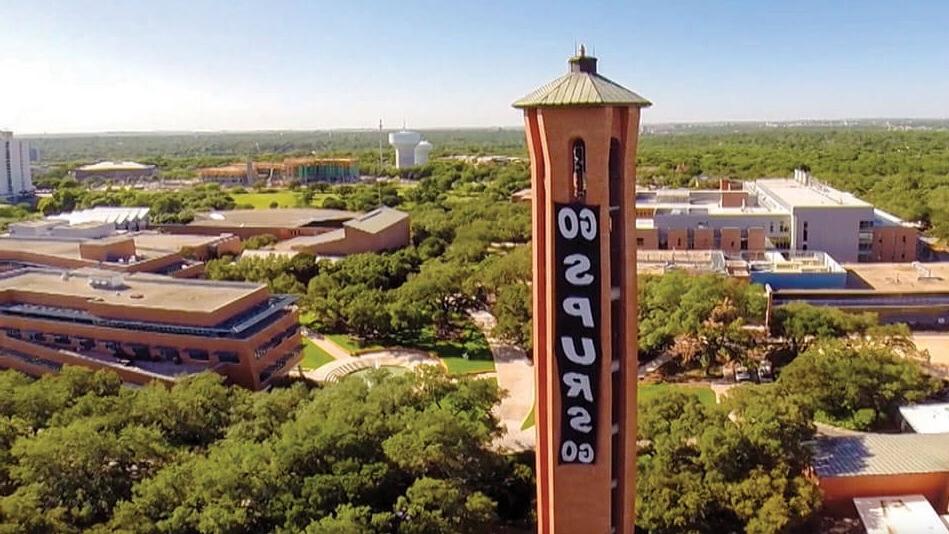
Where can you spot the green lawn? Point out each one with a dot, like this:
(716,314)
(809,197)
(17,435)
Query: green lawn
(285,199)
(649,391)
(529,421)
(471,343)
(314,356)
(351,344)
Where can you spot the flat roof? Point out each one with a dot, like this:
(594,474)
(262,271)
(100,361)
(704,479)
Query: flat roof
(881,454)
(140,291)
(377,220)
(902,276)
(304,241)
(173,242)
(927,418)
(272,218)
(116,166)
(794,194)
(904,514)
(109,214)
(148,245)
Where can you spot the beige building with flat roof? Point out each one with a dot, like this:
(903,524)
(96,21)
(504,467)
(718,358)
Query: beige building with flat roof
(145,327)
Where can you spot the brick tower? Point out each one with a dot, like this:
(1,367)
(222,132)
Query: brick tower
(582,131)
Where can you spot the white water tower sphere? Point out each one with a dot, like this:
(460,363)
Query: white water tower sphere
(421,152)
(404,143)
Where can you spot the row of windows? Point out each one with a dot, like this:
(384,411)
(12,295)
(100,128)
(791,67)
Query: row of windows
(277,365)
(124,350)
(276,340)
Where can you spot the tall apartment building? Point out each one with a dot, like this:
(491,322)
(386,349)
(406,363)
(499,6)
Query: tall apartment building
(16,180)
(799,214)
(145,327)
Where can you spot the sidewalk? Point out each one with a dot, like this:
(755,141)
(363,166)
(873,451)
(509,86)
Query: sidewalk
(326,344)
(515,374)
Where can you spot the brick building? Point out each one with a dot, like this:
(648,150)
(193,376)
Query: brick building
(145,327)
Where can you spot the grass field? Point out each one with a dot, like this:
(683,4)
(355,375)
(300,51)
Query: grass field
(351,344)
(313,356)
(284,199)
(453,352)
(649,391)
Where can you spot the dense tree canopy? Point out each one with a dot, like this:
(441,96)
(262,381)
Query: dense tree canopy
(724,468)
(78,452)
(856,384)
(678,303)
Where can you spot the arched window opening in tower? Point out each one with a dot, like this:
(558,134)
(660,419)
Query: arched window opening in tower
(579,169)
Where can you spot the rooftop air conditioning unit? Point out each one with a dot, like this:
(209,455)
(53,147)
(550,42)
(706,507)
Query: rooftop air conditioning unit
(107,282)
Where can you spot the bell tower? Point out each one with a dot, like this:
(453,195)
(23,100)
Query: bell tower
(582,130)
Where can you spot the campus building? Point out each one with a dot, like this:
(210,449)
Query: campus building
(119,218)
(282,223)
(376,231)
(329,170)
(582,130)
(916,294)
(55,243)
(854,469)
(321,232)
(16,178)
(144,327)
(116,171)
(799,214)
(302,170)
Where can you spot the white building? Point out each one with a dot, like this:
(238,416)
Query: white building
(16,180)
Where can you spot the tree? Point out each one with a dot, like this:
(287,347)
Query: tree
(856,385)
(259,241)
(799,323)
(406,453)
(721,468)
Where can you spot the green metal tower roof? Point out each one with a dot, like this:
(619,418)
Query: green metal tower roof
(582,86)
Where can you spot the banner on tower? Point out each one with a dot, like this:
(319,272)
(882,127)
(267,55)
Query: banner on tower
(577,342)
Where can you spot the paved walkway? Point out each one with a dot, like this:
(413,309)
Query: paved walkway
(407,358)
(515,374)
(937,343)
(327,345)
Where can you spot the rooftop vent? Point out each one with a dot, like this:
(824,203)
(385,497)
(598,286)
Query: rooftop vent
(107,282)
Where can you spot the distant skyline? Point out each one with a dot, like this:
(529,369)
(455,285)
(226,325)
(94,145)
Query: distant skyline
(84,66)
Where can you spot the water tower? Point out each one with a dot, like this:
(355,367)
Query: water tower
(421,152)
(404,143)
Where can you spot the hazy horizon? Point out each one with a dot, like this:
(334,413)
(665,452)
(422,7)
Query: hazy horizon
(209,66)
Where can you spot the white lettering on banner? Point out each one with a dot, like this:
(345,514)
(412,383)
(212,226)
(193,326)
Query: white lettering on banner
(569,345)
(577,267)
(579,307)
(577,326)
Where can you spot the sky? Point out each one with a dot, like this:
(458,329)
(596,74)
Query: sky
(181,65)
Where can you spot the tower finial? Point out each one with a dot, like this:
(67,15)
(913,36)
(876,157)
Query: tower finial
(583,50)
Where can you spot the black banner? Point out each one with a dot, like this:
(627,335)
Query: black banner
(577,328)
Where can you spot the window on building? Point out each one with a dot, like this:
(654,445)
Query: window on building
(228,357)
(198,354)
(805,231)
(579,169)
(640,241)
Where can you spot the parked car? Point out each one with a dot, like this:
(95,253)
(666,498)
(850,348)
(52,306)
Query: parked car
(766,371)
(743,374)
